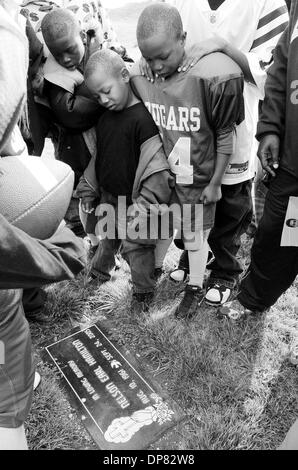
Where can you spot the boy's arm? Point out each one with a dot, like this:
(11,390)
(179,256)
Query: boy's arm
(226,103)
(224,141)
(87,195)
(78,110)
(28,262)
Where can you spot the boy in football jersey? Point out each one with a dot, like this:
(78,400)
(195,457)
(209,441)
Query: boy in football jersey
(196,114)
(223,26)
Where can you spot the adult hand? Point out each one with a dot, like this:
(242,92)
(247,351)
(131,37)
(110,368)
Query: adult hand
(268,153)
(211,194)
(199,50)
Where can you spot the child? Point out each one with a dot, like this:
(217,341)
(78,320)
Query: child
(73,107)
(196,114)
(130,163)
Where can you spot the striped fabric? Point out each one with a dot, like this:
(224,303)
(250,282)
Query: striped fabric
(271,25)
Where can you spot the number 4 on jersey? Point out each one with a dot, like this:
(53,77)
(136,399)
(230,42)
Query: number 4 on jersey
(179,161)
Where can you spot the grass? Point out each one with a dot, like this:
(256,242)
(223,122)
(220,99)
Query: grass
(233,380)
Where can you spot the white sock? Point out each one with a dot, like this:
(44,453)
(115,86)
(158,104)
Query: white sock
(161,250)
(197,265)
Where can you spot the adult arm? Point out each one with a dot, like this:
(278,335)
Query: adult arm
(28,262)
(271,125)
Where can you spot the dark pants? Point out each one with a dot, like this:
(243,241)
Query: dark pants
(273,268)
(139,254)
(232,217)
(72,218)
(33,300)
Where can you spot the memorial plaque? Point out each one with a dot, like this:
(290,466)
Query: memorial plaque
(120,407)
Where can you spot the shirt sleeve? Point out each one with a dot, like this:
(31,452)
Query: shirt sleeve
(274,106)
(146,127)
(28,262)
(73,110)
(226,104)
(273,21)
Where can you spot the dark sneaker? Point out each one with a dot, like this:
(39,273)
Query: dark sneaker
(217,295)
(234,311)
(142,301)
(192,299)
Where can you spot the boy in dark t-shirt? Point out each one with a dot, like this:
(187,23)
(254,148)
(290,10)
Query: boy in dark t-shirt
(130,167)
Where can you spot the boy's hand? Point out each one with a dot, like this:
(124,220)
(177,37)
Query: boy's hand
(87,205)
(211,194)
(197,51)
(268,153)
(146,70)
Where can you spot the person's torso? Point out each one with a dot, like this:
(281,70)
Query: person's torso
(289,159)
(119,140)
(237,21)
(181,110)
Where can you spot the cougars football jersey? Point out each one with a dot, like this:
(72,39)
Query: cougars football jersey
(254,27)
(190,110)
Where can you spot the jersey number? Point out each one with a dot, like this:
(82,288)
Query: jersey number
(179,161)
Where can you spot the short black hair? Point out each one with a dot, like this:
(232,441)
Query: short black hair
(58,23)
(159,17)
(105,60)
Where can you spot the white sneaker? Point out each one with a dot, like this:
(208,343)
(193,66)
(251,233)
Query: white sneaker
(179,275)
(217,295)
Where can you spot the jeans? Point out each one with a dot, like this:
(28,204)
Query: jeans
(232,217)
(273,268)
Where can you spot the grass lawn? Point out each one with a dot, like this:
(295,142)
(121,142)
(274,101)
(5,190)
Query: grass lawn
(233,380)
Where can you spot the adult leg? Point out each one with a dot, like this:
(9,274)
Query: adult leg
(273,268)
(16,371)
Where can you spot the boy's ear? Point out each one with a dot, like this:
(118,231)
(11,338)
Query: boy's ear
(125,74)
(84,37)
(183,38)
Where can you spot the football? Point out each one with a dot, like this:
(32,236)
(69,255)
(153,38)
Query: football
(35,193)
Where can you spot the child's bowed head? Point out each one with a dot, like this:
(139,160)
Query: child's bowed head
(107,78)
(64,37)
(161,38)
